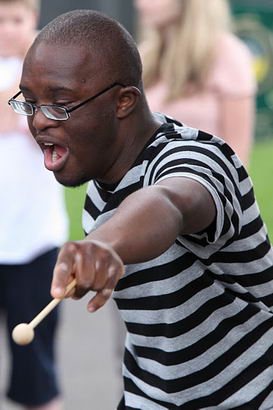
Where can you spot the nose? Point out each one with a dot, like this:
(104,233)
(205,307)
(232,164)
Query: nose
(40,122)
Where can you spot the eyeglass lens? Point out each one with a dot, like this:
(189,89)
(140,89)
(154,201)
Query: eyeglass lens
(51,112)
(54,112)
(21,108)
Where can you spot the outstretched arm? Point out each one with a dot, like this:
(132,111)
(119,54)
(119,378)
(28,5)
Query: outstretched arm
(144,226)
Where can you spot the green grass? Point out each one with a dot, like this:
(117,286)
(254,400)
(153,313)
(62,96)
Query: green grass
(74,202)
(261,172)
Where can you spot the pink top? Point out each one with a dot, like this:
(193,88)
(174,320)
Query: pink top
(231,76)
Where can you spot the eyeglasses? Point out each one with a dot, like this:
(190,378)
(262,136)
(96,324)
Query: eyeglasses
(51,111)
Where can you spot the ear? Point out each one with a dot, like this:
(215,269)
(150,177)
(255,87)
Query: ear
(127,101)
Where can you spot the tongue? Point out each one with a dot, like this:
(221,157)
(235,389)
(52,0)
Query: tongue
(54,157)
(60,151)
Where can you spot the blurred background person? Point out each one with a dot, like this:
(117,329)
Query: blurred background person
(197,70)
(33,223)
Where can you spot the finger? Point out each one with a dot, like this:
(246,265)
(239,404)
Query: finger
(102,269)
(63,271)
(99,299)
(85,273)
(92,269)
(104,294)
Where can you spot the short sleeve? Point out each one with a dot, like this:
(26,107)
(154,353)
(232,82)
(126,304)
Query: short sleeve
(206,164)
(233,70)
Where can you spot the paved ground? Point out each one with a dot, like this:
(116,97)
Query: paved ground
(89,368)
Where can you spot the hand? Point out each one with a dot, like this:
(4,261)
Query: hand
(94,264)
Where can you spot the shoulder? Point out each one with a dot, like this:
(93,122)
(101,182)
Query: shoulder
(233,68)
(174,141)
(233,44)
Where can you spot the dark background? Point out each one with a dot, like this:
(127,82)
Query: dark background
(122,10)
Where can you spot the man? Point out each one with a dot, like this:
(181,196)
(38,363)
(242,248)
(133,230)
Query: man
(171,223)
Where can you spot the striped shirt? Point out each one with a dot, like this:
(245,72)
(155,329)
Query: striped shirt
(199,317)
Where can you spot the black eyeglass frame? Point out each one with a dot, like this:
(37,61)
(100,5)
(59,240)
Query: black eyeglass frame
(67,110)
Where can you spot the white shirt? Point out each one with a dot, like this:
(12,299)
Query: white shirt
(33,218)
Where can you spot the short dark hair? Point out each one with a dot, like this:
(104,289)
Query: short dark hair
(103,36)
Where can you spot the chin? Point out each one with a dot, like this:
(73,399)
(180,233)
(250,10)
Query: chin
(72,182)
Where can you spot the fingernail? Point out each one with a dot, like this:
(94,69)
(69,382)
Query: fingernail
(91,308)
(58,292)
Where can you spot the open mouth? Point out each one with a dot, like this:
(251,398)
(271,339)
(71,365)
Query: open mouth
(55,156)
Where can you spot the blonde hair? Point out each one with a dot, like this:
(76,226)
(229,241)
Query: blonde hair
(34,5)
(184,61)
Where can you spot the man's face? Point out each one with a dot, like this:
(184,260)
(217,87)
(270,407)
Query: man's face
(86,145)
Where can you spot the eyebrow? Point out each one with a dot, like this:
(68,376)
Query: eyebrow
(50,89)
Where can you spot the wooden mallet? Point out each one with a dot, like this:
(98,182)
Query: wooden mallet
(23,333)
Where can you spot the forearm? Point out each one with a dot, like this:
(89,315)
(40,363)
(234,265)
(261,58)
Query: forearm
(147,222)
(144,226)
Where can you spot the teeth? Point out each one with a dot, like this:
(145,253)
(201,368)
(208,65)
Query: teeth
(48,143)
(54,156)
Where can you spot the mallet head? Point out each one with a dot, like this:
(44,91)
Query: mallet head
(23,334)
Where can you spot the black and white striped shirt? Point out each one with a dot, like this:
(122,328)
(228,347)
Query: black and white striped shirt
(199,317)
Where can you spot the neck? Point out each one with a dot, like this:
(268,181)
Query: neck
(136,133)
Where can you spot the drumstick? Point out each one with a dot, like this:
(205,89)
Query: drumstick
(23,333)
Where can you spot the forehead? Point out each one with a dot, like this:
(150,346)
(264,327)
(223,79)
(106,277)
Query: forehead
(66,66)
